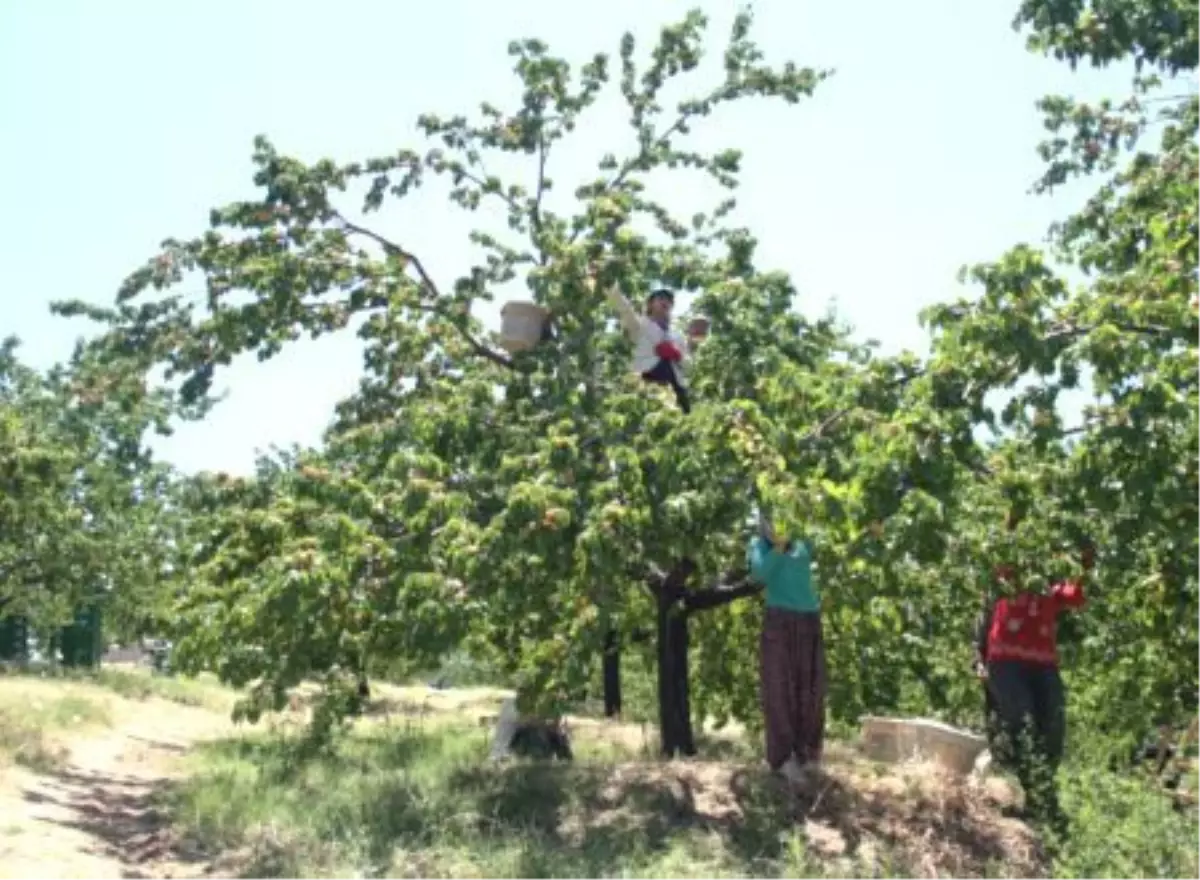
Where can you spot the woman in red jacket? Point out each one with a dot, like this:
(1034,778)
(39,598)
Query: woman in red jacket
(1017,646)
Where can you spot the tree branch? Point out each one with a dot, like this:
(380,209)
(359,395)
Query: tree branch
(732,579)
(535,212)
(716,597)
(459,168)
(429,288)
(819,431)
(631,165)
(1066,330)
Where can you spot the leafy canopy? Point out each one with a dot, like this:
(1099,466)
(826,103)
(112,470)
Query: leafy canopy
(86,514)
(514,503)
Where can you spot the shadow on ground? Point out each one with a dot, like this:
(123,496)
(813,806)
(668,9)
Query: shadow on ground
(415,802)
(173,748)
(125,817)
(590,819)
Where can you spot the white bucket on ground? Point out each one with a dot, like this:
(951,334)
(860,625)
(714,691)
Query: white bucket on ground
(506,726)
(521,325)
(902,739)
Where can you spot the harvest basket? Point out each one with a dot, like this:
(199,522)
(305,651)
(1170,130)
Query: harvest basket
(521,326)
(903,739)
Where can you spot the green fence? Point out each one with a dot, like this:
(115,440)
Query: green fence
(14,639)
(82,643)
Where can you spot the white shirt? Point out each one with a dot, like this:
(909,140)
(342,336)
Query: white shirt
(646,335)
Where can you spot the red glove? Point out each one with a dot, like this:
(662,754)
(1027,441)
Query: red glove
(668,351)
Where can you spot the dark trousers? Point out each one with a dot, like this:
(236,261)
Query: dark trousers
(793,685)
(664,374)
(1028,703)
(991,724)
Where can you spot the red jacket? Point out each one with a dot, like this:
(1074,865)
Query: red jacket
(1025,626)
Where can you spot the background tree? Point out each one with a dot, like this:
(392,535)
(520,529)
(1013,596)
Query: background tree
(85,521)
(1112,299)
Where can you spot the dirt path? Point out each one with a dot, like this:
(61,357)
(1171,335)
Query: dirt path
(98,814)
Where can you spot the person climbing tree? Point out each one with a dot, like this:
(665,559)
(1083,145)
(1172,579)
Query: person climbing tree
(658,357)
(793,653)
(1017,645)
(676,603)
(659,351)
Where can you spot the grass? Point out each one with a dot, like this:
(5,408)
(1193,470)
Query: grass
(39,711)
(418,798)
(138,684)
(132,683)
(1124,828)
(409,792)
(33,712)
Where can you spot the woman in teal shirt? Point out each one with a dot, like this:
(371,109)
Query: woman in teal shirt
(793,653)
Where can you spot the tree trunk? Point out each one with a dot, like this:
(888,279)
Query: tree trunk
(612,675)
(674,705)
(674,699)
(676,603)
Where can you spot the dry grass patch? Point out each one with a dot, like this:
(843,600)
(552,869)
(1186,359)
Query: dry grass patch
(41,714)
(37,714)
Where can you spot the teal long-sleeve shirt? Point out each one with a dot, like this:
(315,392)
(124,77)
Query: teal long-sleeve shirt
(787,576)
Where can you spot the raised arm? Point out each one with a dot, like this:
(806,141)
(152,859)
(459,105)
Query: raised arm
(1070,594)
(630,319)
(762,558)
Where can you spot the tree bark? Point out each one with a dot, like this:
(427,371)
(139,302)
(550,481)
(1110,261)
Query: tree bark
(676,603)
(612,674)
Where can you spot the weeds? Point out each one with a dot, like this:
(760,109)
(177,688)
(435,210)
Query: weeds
(140,685)
(412,800)
(37,711)
(29,718)
(1122,827)
(417,799)
(409,792)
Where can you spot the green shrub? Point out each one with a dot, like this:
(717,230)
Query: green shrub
(1121,826)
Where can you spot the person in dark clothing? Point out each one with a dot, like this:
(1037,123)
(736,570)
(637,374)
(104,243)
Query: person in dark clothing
(991,718)
(1017,649)
(542,739)
(676,603)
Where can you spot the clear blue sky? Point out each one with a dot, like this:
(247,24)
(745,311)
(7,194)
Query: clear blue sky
(124,122)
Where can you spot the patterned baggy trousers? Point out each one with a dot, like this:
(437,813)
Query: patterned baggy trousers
(793,685)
